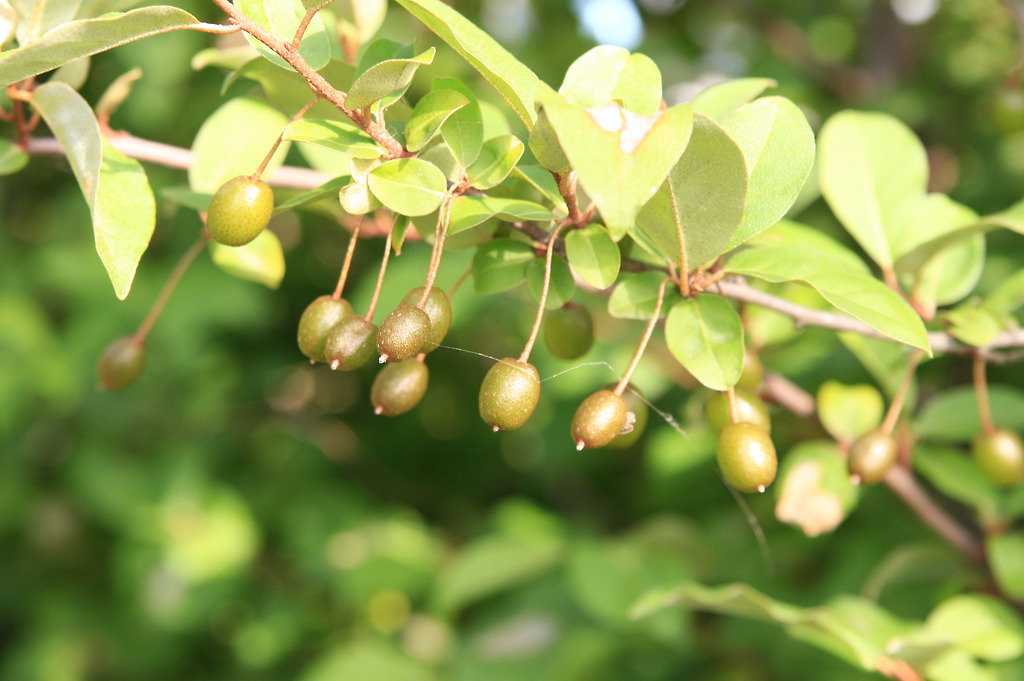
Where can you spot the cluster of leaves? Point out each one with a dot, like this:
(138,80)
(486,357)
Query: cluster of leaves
(696,193)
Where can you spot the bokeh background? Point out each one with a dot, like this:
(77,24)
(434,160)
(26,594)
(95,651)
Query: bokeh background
(239,514)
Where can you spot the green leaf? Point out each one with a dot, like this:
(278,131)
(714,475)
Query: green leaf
(981,625)
(500,264)
(12,158)
(813,490)
(470,211)
(611,74)
(77,39)
(545,146)
(1008,295)
(281,18)
(797,235)
(511,78)
(541,180)
(705,335)
(952,416)
(498,156)
(359,21)
(334,135)
(955,474)
(939,215)
(562,284)
(855,293)
(233,141)
(721,99)
(593,255)
(366,658)
(115,187)
(874,173)
(289,91)
(849,411)
(621,157)
(1006,558)
(491,565)
(385,78)
(778,146)
(430,114)
(636,296)
(951,274)
(703,197)
(261,260)
(36,17)
(356,198)
(327,190)
(408,186)
(463,132)
(974,324)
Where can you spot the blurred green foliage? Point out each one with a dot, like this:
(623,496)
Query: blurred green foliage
(240,514)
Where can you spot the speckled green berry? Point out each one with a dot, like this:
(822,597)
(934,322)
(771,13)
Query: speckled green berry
(399,387)
(598,420)
(403,333)
(509,394)
(239,211)
(1000,455)
(350,344)
(746,457)
(316,321)
(120,364)
(636,417)
(438,309)
(871,456)
(569,331)
(749,409)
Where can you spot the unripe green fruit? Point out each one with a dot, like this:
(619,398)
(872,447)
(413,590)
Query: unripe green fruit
(350,344)
(316,322)
(871,456)
(403,333)
(749,409)
(637,406)
(746,457)
(509,394)
(598,420)
(1000,455)
(753,371)
(399,387)
(569,331)
(438,309)
(239,211)
(120,364)
(1007,110)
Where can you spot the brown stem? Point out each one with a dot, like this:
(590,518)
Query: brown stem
(896,406)
(172,282)
(567,188)
(293,46)
(280,138)
(528,348)
(349,252)
(644,340)
(444,219)
(380,278)
(458,282)
(734,415)
(981,390)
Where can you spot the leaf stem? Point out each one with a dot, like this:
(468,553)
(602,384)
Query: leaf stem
(896,406)
(528,348)
(160,303)
(349,252)
(644,340)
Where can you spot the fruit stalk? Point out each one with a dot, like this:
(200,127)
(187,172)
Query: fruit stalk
(165,293)
(371,308)
(528,348)
(981,390)
(349,252)
(644,340)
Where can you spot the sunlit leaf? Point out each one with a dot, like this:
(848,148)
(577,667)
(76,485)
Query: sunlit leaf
(705,335)
(813,489)
(952,416)
(500,264)
(982,625)
(12,158)
(497,157)
(721,99)
(281,18)
(636,296)
(36,17)
(430,114)
(261,260)
(469,211)
(463,131)
(334,135)
(385,78)
(593,255)
(409,186)
(849,411)
(611,74)
(1006,558)
(561,286)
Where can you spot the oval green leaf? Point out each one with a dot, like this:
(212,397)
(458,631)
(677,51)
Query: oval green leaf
(409,186)
(498,156)
(470,211)
(429,115)
(849,411)
(463,131)
(705,335)
(721,99)
(500,264)
(261,260)
(1006,558)
(813,490)
(334,135)
(593,255)
(384,79)
(562,284)
(281,18)
(636,296)
(606,73)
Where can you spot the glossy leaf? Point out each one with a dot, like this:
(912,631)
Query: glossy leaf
(233,141)
(956,475)
(281,18)
(562,284)
(12,158)
(36,17)
(981,625)
(498,156)
(334,135)
(703,198)
(120,200)
(1008,295)
(541,180)
(952,416)
(721,99)
(511,78)
(874,173)
(593,255)
(361,19)
(545,146)
(813,489)
(797,235)
(951,275)
(1006,558)
(357,199)
(463,132)
(261,260)
(621,158)
(77,39)
(384,79)
(778,146)
(409,186)
(500,264)
(327,190)
(849,411)
(470,211)
(611,74)
(430,114)
(705,335)
(636,296)
(859,295)
(975,324)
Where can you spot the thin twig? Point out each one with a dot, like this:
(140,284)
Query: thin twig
(528,348)
(168,288)
(642,345)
